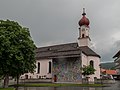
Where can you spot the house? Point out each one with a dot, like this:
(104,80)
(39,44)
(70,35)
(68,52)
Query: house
(117,64)
(108,74)
(117,61)
(63,63)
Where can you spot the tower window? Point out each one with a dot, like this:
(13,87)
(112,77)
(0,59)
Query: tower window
(50,67)
(83,35)
(38,70)
(92,63)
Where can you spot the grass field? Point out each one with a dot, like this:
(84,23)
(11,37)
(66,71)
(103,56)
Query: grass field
(59,85)
(7,88)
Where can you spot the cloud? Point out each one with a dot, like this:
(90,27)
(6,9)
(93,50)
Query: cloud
(56,21)
(117,44)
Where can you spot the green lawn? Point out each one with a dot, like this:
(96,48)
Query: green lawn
(7,88)
(59,85)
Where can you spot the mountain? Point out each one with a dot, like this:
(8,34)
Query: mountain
(108,65)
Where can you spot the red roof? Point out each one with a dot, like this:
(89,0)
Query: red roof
(110,72)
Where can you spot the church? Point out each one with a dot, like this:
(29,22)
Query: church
(63,62)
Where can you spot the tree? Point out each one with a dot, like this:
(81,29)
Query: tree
(17,50)
(88,70)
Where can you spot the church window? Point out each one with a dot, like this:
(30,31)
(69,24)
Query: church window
(49,49)
(50,65)
(83,35)
(92,63)
(38,70)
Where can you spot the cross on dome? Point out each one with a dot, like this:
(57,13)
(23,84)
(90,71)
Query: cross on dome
(84,12)
(84,20)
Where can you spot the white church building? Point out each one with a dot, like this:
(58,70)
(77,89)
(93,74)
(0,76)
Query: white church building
(63,63)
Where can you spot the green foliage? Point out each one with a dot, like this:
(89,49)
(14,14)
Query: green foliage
(17,50)
(88,70)
(108,65)
(112,68)
(7,88)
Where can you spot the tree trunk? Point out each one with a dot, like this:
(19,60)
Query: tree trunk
(6,81)
(86,79)
(17,79)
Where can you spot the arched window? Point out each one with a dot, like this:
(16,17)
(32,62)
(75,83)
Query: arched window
(49,67)
(38,70)
(92,63)
(83,35)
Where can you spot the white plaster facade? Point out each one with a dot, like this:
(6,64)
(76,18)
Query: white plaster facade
(43,70)
(84,39)
(84,42)
(83,30)
(96,62)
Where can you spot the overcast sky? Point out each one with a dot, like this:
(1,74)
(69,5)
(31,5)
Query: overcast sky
(56,21)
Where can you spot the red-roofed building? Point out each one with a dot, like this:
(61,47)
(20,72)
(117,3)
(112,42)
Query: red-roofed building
(108,74)
(111,72)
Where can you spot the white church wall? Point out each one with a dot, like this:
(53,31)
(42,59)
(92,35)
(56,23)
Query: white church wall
(84,42)
(43,70)
(84,30)
(86,61)
(96,61)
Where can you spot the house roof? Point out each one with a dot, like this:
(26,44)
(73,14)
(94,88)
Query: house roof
(117,54)
(110,72)
(89,52)
(63,50)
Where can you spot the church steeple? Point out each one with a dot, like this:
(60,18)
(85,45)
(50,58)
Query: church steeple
(84,39)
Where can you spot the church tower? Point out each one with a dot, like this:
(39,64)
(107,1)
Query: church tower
(84,39)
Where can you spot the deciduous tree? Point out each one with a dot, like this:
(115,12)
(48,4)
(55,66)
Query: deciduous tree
(88,70)
(17,50)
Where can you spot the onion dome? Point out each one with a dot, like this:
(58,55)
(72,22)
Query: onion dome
(84,20)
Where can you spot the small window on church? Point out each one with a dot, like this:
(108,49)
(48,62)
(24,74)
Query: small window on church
(50,65)
(83,35)
(38,69)
(49,49)
(92,63)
